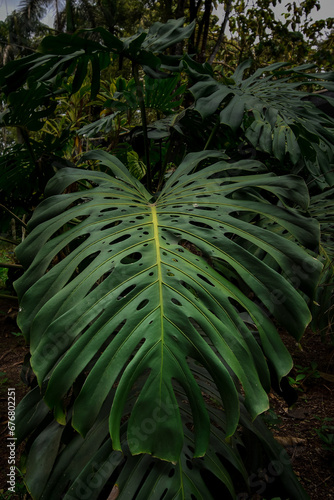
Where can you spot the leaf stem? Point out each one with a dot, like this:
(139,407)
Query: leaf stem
(5,296)
(7,240)
(140,94)
(10,266)
(213,133)
(13,215)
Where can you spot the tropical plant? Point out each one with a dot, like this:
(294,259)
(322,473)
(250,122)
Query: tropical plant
(257,31)
(150,311)
(322,308)
(272,114)
(141,300)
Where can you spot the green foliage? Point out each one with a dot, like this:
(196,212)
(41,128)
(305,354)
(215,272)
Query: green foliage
(321,207)
(93,468)
(271,419)
(258,32)
(272,114)
(151,311)
(148,297)
(303,374)
(326,433)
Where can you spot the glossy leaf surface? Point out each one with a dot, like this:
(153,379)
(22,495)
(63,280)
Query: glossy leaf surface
(136,292)
(89,466)
(276,115)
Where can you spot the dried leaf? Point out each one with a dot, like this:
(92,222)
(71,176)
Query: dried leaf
(290,440)
(114,493)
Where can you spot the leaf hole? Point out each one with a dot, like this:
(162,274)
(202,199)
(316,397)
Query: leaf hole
(171,473)
(176,302)
(200,224)
(112,224)
(126,292)
(188,287)
(195,325)
(163,494)
(205,279)
(108,209)
(131,258)
(142,304)
(120,239)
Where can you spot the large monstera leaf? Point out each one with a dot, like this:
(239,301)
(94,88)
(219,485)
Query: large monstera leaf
(120,284)
(276,115)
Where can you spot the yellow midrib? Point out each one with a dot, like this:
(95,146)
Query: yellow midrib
(157,251)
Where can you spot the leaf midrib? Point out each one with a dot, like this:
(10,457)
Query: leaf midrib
(160,281)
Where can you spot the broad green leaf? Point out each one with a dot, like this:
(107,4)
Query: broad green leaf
(233,113)
(265,140)
(42,456)
(68,54)
(162,36)
(272,95)
(105,124)
(254,132)
(292,146)
(279,142)
(136,167)
(138,293)
(87,466)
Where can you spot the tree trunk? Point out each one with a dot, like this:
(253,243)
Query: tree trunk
(193,11)
(69,17)
(205,24)
(222,31)
(180,9)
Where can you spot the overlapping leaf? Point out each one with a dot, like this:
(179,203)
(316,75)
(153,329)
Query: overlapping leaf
(283,122)
(71,53)
(89,466)
(136,293)
(162,95)
(322,208)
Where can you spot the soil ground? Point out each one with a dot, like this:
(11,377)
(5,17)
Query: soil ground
(294,427)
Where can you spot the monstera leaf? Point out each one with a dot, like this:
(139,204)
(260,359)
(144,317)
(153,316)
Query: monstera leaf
(74,54)
(63,464)
(275,114)
(322,208)
(120,284)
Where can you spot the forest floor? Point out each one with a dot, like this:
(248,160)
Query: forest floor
(295,428)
